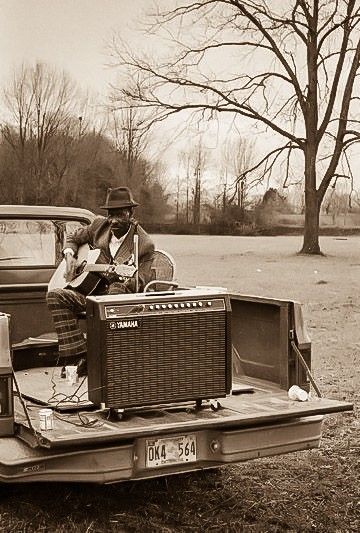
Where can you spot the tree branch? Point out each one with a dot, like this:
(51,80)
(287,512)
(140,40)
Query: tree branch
(338,71)
(275,49)
(342,123)
(229,104)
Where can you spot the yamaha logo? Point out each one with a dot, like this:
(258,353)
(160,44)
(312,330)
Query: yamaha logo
(125,324)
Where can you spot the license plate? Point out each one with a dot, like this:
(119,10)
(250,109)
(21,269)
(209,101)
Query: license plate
(170,451)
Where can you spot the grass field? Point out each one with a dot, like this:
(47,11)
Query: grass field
(316,490)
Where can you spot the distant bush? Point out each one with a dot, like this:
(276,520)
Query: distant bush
(243,230)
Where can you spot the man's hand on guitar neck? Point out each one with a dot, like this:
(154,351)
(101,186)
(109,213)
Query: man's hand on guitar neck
(71,263)
(122,270)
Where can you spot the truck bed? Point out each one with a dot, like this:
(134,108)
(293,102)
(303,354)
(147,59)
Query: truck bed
(256,420)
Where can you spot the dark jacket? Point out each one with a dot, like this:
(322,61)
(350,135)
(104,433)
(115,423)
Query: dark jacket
(98,235)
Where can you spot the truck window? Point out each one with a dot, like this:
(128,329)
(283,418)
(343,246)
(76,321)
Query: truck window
(33,242)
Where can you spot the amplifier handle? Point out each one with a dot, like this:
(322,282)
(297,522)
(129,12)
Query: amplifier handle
(159,293)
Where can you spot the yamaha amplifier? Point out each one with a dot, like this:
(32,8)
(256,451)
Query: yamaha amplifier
(158,348)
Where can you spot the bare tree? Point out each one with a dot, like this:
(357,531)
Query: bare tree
(241,155)
(184,163)
(293,70)
(198,160)
(129,137)
(41,103)
(336,203)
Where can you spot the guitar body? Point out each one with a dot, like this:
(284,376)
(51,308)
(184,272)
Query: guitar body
(84,282)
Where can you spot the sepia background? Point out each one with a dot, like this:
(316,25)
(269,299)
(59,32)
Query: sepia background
(236,125)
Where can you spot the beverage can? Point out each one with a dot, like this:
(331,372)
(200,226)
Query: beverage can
(46,418)
(71,374)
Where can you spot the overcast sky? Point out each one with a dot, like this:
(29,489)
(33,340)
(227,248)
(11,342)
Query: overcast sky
(69,34)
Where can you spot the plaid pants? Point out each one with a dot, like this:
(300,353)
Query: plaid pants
(65,305)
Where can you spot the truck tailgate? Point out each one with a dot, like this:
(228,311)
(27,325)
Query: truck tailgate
(258,408)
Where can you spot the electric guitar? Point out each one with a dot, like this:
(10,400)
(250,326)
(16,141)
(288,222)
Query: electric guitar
(86,277)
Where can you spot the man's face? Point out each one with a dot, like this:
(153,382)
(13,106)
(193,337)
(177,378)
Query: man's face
(119,219)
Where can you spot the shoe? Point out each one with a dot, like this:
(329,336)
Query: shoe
(63,373)
(82,367)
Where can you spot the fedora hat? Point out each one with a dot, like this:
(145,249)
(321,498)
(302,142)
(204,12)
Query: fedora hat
(119,197)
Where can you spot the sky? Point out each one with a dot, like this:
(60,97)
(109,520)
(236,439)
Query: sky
(69,34)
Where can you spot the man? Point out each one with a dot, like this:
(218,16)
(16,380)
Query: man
(114,237)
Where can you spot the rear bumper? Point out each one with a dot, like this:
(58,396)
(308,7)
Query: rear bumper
(111,464)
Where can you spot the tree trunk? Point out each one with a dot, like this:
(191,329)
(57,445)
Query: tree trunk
(311,228)
(312,200)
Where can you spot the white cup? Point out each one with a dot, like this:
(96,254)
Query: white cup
(46,418)
(71,374)
(296,393)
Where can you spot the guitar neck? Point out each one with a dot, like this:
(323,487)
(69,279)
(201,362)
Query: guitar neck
(96,268)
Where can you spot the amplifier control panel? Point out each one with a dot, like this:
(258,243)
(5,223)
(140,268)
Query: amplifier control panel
(161,307)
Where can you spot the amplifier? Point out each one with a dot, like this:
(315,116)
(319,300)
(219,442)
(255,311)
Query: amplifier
(158,348)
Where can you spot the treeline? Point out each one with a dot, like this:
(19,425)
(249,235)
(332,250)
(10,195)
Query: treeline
(52,155)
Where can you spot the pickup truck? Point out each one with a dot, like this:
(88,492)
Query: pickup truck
(189,378)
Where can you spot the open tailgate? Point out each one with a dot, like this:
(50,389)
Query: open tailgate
(258,408)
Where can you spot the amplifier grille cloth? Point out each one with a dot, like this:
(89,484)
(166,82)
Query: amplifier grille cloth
(168,358)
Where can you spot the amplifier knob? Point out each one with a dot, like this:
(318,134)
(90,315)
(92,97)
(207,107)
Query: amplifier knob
(151,307)
(170,306)
(182,305)
(200,304)
(188,304)
(209,304)
(157,306)
(163,306)
(194,304)
(176,306)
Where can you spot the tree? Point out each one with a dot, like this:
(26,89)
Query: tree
(41,103)
(132,161)
(242,156)
(129,138)
(336,203)
(184,164)
(293,71)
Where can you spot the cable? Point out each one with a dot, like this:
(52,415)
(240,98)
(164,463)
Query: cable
(85,421)
(68,397)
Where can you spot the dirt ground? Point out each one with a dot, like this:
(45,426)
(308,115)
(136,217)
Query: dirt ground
(317,490)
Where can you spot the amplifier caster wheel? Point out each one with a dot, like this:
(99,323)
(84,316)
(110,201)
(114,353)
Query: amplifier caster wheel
(215,405)
(116,414)
(198,404)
